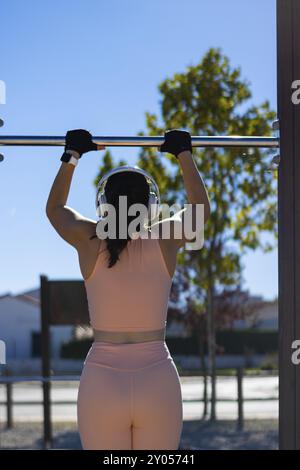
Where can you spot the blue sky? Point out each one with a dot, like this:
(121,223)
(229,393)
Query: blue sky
(96,64)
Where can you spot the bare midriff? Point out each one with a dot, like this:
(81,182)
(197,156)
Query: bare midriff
(129,336)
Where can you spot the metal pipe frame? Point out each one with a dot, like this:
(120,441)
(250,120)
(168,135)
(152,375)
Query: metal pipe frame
(145,141)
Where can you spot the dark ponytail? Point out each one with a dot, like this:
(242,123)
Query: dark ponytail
(135,187)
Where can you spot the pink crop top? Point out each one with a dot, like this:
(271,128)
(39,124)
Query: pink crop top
(132,295)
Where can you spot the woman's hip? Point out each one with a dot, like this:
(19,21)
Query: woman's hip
(128,356)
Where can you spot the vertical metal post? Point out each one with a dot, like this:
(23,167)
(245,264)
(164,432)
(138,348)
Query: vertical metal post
(45,320)
(9,405)
(288,70)
(240,398)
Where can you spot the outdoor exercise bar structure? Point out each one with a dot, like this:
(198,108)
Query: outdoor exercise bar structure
(145,141)
(288,73)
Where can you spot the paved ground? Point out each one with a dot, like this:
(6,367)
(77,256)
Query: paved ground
(260,393)
(260,411)
(197,435)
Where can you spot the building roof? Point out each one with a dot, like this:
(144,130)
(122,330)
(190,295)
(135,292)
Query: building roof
(30,296)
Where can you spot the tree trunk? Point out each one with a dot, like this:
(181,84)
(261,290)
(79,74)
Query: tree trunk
(204,372)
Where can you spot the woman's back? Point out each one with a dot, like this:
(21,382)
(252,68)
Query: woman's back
(133,294)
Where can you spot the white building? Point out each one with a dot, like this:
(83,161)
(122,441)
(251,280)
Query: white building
(20,327)
(265,316)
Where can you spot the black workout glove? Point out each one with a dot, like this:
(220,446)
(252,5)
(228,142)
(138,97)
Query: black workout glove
(176,141)
(80,140)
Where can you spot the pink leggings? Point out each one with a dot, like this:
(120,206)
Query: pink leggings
(129,397)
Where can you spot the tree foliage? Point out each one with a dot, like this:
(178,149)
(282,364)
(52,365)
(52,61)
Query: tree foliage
(212,98)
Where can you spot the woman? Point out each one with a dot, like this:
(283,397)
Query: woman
(129,394)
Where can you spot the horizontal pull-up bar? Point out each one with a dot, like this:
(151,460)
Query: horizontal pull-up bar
(142,141)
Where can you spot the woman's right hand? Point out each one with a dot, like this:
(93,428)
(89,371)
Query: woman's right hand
(176,141)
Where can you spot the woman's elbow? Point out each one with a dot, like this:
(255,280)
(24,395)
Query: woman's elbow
(206,212)
(49,209)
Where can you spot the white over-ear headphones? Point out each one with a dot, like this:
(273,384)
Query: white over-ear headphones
(154,196)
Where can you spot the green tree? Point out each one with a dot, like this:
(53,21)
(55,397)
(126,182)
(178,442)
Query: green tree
(212,98)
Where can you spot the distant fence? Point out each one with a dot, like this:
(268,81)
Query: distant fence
(9,381)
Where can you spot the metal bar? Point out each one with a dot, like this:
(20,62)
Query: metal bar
(240,398)
(145,141)
(192,400)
